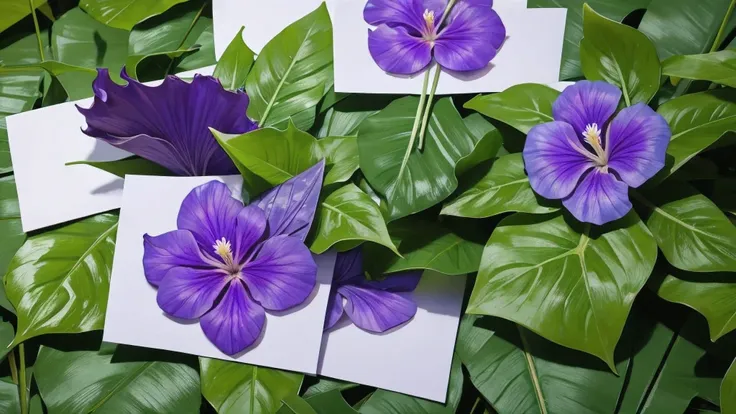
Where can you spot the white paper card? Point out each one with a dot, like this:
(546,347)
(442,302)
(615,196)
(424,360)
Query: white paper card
(150,205)
(532,53)
(41,142)
(414,359)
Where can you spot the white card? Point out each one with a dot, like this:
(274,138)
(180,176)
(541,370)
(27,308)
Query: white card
(532,53)
(414,359)
(41,142)
(150,205)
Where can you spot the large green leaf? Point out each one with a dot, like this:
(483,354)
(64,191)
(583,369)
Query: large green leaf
(522,106)
(728,391)
(232,387)
(9,402)
(11,232)
(620,55)
(330,402)
(59,280)
(16,10)
(75,80)
(717,67)
(340,123)
(116,380)
(124,14)
(585,282)
(292,72)
(234,65)
(6,338)
(410,179)
(489,145)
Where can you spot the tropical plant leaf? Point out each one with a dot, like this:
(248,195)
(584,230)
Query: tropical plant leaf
(11,231)
(325,385)
(235,63)
(728,391)
(522,106)
(75,80)
(330,402)
(16,10)
(716,67)
(6,338)
(124,14)
(130,165)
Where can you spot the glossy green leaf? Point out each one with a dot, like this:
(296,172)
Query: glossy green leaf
(489,144)
(348,214)
(330,402)
(325,385)
(233,387)
(235,63)
(410,179)
(292,72)
(337,123)
(717,67)
(294,404)
(6,338)
(620,55)
(130,165)
(500,187)
(131,64)
(341,156)
(128,380)
(522,106)
(9,402)
(11,232)
(586,282)
(124,14)
(728,391)
(75,80)
(15,10)
(59,280)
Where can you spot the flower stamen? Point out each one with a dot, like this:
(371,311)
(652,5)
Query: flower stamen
(592,136)
(429,19)
(224,249)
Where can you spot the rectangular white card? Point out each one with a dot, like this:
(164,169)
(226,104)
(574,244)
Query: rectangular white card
(414,359)
(150,205)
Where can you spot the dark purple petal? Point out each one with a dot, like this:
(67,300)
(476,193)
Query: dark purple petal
(397,282)
(334,309)
(249,228)
(168,124)
(173,249)
(586,103)
(637,143)
(396,51)
(552,162)
(349,266)
(188,293)
(406,13)
(210,213)
(290,206)
(377,310)
(599,198)
(471,39)
(282,275)
(236,322)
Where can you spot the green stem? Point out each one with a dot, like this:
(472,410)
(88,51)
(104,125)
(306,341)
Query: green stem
(418,116)
(13,367)
(477,401)
(428,109)
(445,13)
(22,380)
(38,30)
(721,31)
(186,34)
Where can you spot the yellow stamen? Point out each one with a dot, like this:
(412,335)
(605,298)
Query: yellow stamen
(592,135)
(225,251)
(429,19)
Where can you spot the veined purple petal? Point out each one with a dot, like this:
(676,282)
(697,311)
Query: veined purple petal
(637,143)
(599,198)
(554,166)
(396,51)
(586,103)
(471,38)
(290,206)
(236,322)
(397,282)
(170,250)
(334,309)
(406,13)
(210,213)
(349,266)
(377,310)
(282,275)
(188,293)
(249,228)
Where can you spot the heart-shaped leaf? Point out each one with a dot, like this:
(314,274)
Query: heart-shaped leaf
(716,67)
(234,65)
(124,14)
(521,106)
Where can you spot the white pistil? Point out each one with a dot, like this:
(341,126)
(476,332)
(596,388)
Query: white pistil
(592,135)
(225,251)
(429,20)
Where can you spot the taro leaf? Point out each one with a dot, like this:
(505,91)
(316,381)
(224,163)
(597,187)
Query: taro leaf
(124,14)
(6,338)
(586,283)
(410,179)
(232,387)
(292,73)
(130,165)
(692,232)
(235,63)
(126,380)
(15,10)
(728,391)
(683,27)
(717,67)
(59,280)
(522,106)
(499,188)
(11,232)
(697,121)
(348,214)
(620,55)
(330,402)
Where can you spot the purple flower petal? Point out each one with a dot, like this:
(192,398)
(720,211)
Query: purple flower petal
(210,213)
(282,275)
(170,250)
(396,51)
(397,282)
(349,266)
(377,310)
(471,39)
(599,198)
(586,103)
(249,228)
(236,322)
(188,293)
(637,143)
(552,162)
(290,206)
(407,13)
(334,309)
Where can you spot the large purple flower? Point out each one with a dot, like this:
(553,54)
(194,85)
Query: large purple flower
(588,159)
(168,124)
(409,31)
(372,305)
(227,263)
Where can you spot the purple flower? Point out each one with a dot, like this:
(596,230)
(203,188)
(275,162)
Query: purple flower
(409,31)
(372,305)
(225,265)
(168,124)
(588,159)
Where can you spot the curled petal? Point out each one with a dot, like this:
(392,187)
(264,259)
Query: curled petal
(397,282)
(210,213)
(406,13)
(349,266)
(552,162)
(471,39)
(334,309)
(236,322)
(637,143)
(377,310)
(396,51)
(170,250)
(599,199)
(188,293)
(585,103)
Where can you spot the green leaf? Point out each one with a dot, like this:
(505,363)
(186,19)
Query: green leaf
(502,188)
(728,391)
(413,180)
(348,214)
(620,55)
(330,402)
(131,64)
(338,123)
(130,380)
(6,338)
(9,402)
(341,157)
(489,144)
(293,404)
(130,165)
(586,283)
(326,385)
(522,106)
(124,14)
(233,67)
(293,72)
(11,232)
(75,80)
(59,280)
(233,387)
(717,67)
(15,10)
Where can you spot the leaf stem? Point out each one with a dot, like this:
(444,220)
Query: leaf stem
(418,116)
(13,367)
(38,30)
(428,108)
(22,380)
(719,37)
(186,34)
(477,401)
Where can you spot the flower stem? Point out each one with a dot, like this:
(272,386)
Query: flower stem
(13,367)
(38,30)
(184,39)
(418,116)
(22,380)
(446,13)
(719,37)
(428,108)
